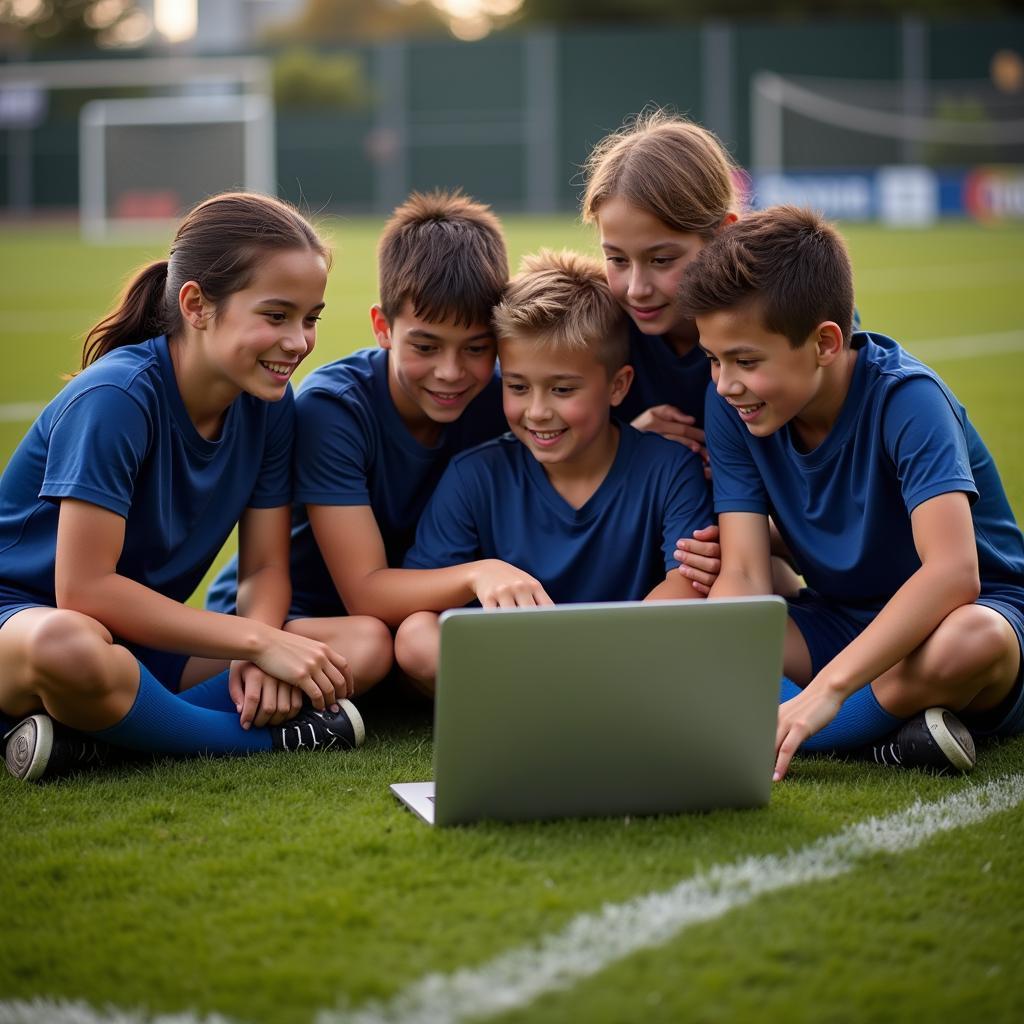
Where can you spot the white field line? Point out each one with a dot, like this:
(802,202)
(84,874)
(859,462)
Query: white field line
(965,346)
(592,942)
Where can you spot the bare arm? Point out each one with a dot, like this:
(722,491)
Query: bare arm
(264,585)
(746,557)
(353,550)
(89,544)
(674,588)
(948,578)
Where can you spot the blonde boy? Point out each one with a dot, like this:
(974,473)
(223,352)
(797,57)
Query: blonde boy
(585,508)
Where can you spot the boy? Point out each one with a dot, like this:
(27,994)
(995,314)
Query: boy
(881,488)
(585,508)
(375,430)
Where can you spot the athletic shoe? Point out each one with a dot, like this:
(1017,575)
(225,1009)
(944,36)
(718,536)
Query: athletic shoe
(321,730)
(40,748)
(935,740)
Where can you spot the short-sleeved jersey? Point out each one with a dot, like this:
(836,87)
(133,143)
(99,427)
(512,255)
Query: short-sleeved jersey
(844,508)
(352,448)
(662,377)
(497,502)
(119,436)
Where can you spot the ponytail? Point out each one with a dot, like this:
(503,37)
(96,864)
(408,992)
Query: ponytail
(219,245)
(142,313)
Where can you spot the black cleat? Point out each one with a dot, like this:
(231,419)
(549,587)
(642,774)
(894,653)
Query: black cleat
(39,748)
(935,741)
(321,730)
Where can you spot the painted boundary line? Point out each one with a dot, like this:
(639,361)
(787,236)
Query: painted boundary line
(965,346)
(592,942)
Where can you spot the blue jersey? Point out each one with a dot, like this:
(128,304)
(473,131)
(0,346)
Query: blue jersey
(662,377)
(497,502)
(844,508)
(352,448)
(119,436)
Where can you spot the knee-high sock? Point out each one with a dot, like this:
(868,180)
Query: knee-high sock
(161,722)
(860,720)
(211,694)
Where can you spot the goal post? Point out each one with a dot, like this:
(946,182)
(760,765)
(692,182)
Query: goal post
(144,162)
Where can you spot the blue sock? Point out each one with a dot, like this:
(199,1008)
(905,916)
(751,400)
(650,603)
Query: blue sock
(161,722)
(861,720)
(6,724)
(211,694)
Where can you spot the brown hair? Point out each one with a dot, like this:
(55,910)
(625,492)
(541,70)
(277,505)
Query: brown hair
(790,261)
(562,299)
(446,255)
(219,245)
(662,163)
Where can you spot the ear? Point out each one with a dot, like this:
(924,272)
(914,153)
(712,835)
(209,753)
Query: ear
(195,308)
(619,385)
(381,327)
(828,342)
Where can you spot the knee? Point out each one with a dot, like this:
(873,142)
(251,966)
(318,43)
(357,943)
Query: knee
(416,646)
(372,640)
(68,651)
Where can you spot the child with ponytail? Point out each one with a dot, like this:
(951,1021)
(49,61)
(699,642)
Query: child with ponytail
(178,427)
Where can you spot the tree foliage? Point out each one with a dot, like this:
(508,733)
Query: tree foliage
(40,24)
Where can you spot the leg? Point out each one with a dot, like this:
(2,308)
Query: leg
(969,663)
(417,647)
(67,664)
(363,640)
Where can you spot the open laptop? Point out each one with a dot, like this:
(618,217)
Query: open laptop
(603,709)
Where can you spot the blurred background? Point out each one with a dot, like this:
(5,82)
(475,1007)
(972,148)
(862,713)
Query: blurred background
(128,111)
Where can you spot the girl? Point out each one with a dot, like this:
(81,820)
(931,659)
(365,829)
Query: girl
(123,491)
(658,190)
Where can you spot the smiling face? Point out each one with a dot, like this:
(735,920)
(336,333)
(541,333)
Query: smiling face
(769,382)
(258,336)
(557,403)
(645,261)
(434,369)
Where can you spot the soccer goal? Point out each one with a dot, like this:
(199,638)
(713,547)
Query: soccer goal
(144,162)
(804,123)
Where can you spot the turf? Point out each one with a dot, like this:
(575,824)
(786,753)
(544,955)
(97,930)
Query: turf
(271,888)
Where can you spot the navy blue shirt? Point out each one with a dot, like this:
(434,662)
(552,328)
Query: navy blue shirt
(118,436)
(497,502)
(844,508)
(352,448)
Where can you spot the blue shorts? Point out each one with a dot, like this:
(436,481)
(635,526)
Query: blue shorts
(164,665)
(828,627)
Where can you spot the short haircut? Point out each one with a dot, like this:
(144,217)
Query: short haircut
(791,262)
(445,254)
(671,167)
(562,300)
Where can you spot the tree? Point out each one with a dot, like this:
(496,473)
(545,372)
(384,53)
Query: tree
(41,24)
(343,21)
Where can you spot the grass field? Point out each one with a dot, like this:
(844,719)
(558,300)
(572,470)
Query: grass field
(295,889)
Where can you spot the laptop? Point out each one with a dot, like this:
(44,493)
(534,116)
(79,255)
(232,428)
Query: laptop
(589,710)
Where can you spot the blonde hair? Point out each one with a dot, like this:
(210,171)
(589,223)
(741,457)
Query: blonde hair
(562,300)
(666,165)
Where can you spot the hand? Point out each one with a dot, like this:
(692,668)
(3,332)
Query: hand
(261,699)
(320,672)
(800,717)
(674,424)
(497,584)
(700,559)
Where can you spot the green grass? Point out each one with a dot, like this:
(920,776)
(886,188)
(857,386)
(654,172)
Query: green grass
(270,888)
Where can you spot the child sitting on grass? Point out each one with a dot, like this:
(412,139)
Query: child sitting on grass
(584,508)
(881,488)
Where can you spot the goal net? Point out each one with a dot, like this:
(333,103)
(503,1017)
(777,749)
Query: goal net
(823,124)
(144,162)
